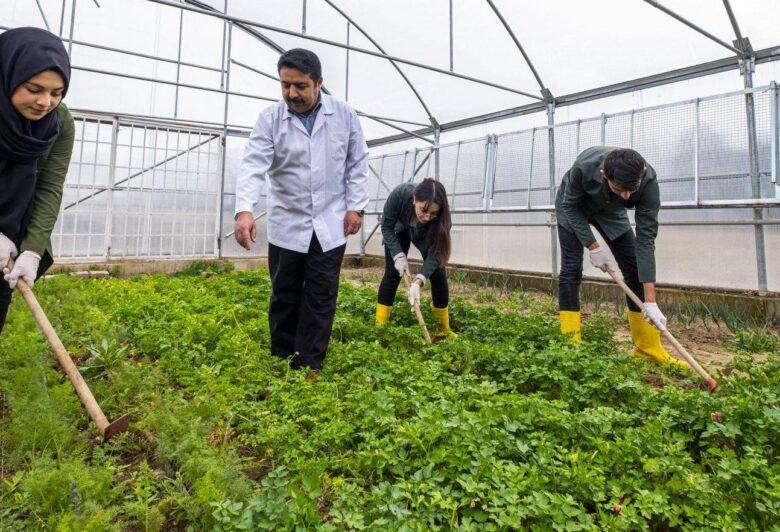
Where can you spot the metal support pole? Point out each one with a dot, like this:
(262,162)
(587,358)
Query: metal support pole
(224,137)
(303,17)
(43,15)
(696,160)
(603,129)
(436,139)
(62,18)
(775,139)
(346,75)
(553,226)
(72,23)
(178,66)
(755,176)
(111,185)
(452,57)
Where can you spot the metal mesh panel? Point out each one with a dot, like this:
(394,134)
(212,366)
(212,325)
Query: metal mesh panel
(467,191)
(80,229)
(618,131)
(513,168)
(540,172)
(448,167)
(139,190)
(666,139)
(423,165)
(724,157)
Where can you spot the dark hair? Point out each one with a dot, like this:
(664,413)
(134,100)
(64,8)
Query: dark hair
(624,167)
(431,191)
(301,59)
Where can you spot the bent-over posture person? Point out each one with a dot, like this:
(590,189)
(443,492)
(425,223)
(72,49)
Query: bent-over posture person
(600,186)
(418,215)
(312,148)
(36,141)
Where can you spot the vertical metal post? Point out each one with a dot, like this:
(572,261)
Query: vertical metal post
(224,44)
(696,160)
(303,17)
(603,129)
(531,167)
(178,65)
(455,177)
(346,80)
(452,63)
(414,166)
(486,172)
(755,176)
(436,139)
(111,182)
(775,136)
(224,136)
(72,23)
(631,131)
(62,18)
(491,178)
(551,149)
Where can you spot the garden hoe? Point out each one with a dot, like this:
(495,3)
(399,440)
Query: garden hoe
(418,313)
(680,349)
(108,430)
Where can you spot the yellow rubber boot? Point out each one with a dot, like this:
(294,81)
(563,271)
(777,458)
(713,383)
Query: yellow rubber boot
(382,314)
(570,324)
(442,318)
(647,341)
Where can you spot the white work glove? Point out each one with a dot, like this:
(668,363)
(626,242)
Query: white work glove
(401,264)
(599,259)
(25,267)
(7,250)
(414,295)
(654,315)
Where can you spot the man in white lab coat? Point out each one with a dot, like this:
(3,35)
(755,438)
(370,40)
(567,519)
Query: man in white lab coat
(310,151)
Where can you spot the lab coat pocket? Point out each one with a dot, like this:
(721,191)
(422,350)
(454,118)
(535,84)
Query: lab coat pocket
(338,148)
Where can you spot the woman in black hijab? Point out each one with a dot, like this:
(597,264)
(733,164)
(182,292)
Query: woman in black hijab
(36,141)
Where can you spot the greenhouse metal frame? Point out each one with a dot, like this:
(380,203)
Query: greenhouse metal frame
(484,173)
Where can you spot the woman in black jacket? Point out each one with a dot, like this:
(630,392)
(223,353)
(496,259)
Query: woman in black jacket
(418,215)
(36,141)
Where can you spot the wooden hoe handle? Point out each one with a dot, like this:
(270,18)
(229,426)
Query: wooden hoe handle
(418,313)
(711,384)
(82,390)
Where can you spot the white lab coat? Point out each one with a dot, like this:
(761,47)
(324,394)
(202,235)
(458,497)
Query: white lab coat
(312,180)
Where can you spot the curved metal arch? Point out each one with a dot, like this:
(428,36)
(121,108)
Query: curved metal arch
(511,33)
(378,47)
(278,48)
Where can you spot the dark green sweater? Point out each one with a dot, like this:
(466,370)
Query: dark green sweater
(585,196)
(397,217)
(52,169)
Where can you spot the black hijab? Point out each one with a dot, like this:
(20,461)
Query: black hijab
(24,53)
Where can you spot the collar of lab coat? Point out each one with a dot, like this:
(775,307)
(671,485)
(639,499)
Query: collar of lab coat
(325,110)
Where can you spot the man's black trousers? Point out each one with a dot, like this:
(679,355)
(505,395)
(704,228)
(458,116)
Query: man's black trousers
(303,302)
(623,249)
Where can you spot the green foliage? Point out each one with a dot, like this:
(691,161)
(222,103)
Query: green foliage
(511,426)
(757,340)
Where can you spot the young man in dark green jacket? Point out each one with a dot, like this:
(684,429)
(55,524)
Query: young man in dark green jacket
(600,186)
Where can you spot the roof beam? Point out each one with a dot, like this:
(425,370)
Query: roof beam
(673,76)
(508,28)
(691,25)
(395,65)
(217,14)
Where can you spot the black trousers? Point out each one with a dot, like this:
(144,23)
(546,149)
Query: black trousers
(5,301)
(304,288)
(623,249)
(6,292)
(440,291)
